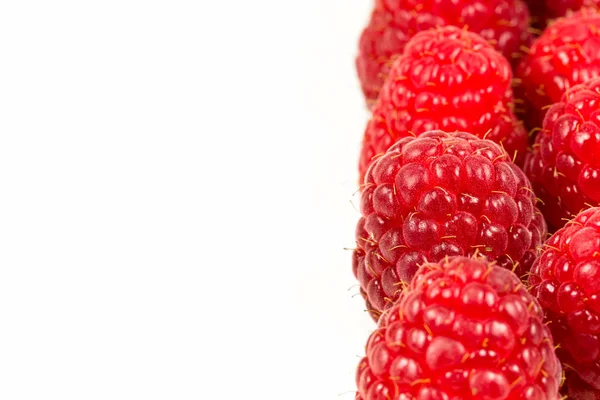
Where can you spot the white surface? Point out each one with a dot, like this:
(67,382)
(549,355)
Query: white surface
(175,187)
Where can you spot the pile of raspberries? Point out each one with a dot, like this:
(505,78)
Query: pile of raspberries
(478,244)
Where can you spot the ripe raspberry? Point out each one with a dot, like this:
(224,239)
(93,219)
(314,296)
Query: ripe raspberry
(564,166)
(394,22)
(436,195)
(466,329)
(566,281)
(567,53)
(447,79)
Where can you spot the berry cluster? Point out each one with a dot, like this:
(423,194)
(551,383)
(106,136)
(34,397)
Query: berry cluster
(473,297)
(394,22)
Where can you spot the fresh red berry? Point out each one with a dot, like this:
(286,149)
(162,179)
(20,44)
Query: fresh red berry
(465,330)
(564,166)
(447,79)
(393,22)
(566,54)
(566,281)
(441,195)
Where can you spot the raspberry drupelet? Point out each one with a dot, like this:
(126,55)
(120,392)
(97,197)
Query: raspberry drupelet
(564,166)
(566,281)
(448,79)
(566,54)
(441,194)
(393,22)
(464,329)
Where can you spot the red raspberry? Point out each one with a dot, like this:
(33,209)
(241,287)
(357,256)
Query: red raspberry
(441,195)
(466,329)
(447,79)
(567,53)
(564,166)
(394,22)
(566,281)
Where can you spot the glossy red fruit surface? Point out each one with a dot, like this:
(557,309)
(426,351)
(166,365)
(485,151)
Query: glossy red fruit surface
(465,329)
(441,195)
(564,166)
(447,79)
(566,281)
(566,54)
(504,23)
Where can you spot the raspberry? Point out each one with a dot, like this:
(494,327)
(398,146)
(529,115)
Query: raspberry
(447,79)
(564,166)
(441,195)
(394,22)
(566,54)
(466,329)
(566,281)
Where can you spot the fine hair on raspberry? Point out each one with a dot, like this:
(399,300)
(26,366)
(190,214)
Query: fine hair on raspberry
(464,329)
(448,79)
(564,165)
(566,281)
(566,54)
(503,23)
(441,194)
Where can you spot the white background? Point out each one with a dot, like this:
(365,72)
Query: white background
(176,181)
